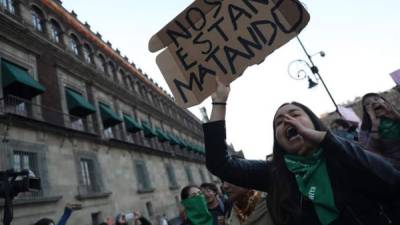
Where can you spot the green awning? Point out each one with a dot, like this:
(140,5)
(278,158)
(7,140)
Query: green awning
(77,104)
(109,117)
(17,81)
(172,139)
(131,124)
(162,137)
(148,131)
(181,143)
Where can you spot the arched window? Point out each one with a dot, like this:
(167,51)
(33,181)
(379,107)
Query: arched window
(103,64)
(37,19)
(111,69)
(8,5)
(74,44)
(55,31)
(121,77)
(87,53)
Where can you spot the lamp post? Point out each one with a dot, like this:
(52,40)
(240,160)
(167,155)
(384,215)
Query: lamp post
(301,73)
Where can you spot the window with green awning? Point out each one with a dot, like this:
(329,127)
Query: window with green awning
(17,81)
(108,116)
(131,124)
(77,104)
(162,137)
(148,130)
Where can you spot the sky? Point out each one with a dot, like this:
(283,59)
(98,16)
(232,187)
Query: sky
(360,38)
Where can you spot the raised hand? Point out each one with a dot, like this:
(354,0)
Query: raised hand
(219,98)
(222,92)
(374,119)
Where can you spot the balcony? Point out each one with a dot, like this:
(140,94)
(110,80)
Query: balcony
(24,108)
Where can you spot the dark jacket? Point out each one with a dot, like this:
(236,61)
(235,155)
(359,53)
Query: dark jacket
(364,185)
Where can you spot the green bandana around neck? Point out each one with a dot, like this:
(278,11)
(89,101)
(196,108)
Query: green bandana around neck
(313,181)
(197,211)
(389,128)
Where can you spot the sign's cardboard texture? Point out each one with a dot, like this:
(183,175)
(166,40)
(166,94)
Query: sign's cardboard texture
(222,37)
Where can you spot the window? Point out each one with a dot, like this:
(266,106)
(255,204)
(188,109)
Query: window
(37,19)
(74,45)
(77,123)
(55,31)
(87,174)
(189,175)
(8,5)
(173,184)
(102,64)
(27,160)
(87,52)
(108,133)
(142,174)
(111,69)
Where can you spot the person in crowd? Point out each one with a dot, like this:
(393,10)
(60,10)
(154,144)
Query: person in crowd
(345,129)
(139,219)
(314,177)
(121,220)
(162,220)
(64,218)
(249,206)
(380,128)
(217,206)
(195,207)
(103,223)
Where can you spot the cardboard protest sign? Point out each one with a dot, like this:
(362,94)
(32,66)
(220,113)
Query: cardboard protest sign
(349,114)
(222,37)
(396,76)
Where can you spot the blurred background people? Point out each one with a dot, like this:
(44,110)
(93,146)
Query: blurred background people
(380,128)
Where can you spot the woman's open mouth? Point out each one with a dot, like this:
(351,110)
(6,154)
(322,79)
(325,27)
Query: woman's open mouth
(291,133)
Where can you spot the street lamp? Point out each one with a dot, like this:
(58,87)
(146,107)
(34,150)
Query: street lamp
(297,70)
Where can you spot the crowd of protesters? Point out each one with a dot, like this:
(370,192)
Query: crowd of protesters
(121,219)
(343,175)
(346,174)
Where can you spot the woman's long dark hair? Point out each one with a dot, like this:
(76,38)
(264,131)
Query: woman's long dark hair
(283,209)
(366,119)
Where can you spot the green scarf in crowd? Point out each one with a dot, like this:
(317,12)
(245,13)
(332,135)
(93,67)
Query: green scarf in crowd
(197,211)
(389,129)
(313,181)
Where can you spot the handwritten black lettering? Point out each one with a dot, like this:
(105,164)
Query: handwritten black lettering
(218,28)
(232,54)
(213,56)
(252,7)
(191,15)
(256,27)
(197,40)
(235,12)
(203,71)
(181,85)
(174,35)
(248,44)
(182,57)
(217,3)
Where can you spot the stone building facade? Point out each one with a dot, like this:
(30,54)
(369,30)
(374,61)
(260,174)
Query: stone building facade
(95,128)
